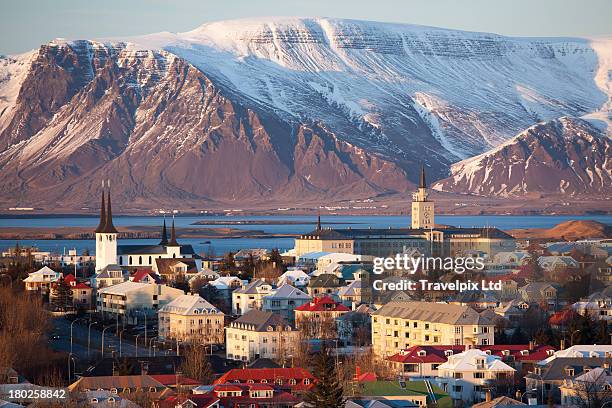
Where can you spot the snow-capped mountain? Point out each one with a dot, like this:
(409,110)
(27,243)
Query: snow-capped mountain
(278,107)
(565,156)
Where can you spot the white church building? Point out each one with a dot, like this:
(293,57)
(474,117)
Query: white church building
(110,255)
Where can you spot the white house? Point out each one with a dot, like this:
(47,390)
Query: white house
(551,263)
(294,277)
(127,299)
(41,279)
(250,296)
(284,300)
(465,376)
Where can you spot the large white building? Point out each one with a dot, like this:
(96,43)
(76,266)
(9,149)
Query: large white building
(108,252)
(128,299)
(190,318)
(251,296)
(467,376)
(260,334)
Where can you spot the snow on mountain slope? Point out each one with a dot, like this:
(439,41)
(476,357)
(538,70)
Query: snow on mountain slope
(481,88)
(564,156)
(299,106)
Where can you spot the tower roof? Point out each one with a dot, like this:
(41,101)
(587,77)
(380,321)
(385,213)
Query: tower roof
(100,227)
(173,236)
(422,183)
(108,220)
(164,234)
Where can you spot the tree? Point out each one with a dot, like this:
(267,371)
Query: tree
(61,298)
(328,391)
(518,337)
(196,364)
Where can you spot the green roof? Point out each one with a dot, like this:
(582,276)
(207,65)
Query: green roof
(413,388)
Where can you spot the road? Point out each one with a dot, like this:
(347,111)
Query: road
(111,341)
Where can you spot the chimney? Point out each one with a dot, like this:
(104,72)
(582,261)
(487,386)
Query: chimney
(531,345)
(488,396)
(562,344)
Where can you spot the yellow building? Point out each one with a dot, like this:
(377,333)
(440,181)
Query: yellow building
(399,325)
(189,318)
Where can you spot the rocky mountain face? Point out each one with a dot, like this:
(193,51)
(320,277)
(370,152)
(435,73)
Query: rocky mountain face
(280,109)
(564,156)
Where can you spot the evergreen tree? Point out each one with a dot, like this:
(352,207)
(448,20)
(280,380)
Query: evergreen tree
(518,337)
(61,298)
(327,392)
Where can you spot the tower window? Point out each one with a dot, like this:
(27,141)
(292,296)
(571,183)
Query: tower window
(130,260)
(120,260)
(140,260)
(150,260)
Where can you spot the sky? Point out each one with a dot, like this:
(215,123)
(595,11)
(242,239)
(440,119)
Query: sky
(26,24)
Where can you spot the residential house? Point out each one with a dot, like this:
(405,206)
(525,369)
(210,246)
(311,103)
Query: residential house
(247,395)
(225,285)
(82,293)
(123,385)
(295,380)
(177,269)
(591,389)
(127,299)
(355,327)
(399,325)
(145,275)
(189,318)
(41,279)
(250,297)
(294,277)
(350,295)
(108,276)
(466,376)
(541,293)
(259,334)
(284,301)
(317,318)
(326,284)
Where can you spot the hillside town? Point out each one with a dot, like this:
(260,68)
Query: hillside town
(163,326)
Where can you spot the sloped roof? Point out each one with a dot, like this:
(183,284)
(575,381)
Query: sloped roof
(252,287)
(502,401)
(432,312)
(322,304)
(287,291)
(258,320)
(466,361)
(351,289)
(115,381)
(188,305)
(325,280)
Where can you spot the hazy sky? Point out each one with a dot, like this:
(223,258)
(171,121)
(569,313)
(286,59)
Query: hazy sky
(25,24)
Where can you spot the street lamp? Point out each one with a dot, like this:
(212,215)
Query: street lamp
(534,390)
(145,319)
(120,335)
(103,332)
(89,339)
(71,359)
(71,325)
(137,343)
(541,379)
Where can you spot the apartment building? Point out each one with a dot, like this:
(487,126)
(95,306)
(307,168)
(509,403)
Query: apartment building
(189,318)
(259,334)
(251,296)
(401,324)
(127,299)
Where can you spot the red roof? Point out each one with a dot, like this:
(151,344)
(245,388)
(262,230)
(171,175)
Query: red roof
(259,387)
(323,304)
(255,375)
(437,354)
(170,379)
(69,278)
(227,387)
(140,274)
(367,377)
(562,317)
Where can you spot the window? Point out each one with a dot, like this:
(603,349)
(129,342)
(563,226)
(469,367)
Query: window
(479,374)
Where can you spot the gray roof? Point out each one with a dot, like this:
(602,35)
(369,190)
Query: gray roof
(324,280)
(432,312)
(258,320)
(104,272)
(252,286)
(288,291)
(555,369)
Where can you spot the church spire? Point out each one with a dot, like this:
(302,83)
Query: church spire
(102,213)
(164,234)
(108,222)
(422,183)
(173,235)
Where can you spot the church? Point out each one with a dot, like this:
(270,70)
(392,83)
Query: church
(110,255)
(423,236)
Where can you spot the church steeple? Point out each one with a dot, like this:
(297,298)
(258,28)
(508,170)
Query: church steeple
(319,221)
(108,224)
(422,183)
(164,234)
(173,235)
(100,227)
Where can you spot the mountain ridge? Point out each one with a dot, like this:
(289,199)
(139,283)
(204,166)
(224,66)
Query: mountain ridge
(278,99)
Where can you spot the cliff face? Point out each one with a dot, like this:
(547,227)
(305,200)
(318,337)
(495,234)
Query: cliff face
(295,110)
(565,156)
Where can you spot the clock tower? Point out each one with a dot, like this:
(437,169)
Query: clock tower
(422,208)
